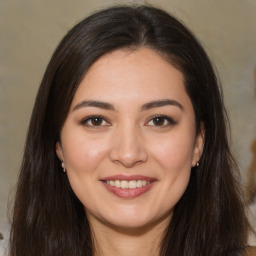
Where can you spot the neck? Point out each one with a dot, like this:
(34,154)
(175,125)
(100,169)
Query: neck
(119,241)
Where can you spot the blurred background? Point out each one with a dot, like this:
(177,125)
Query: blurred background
(31,29)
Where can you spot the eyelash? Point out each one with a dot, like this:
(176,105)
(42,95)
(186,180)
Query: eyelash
(169,120)
(165,118)
(88,119)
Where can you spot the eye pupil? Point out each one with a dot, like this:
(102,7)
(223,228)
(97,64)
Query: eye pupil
(158,121)
(96,121)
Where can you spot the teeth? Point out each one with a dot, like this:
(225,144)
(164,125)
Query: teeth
(117,183)
(132,184)
(124,184)
(128,184)
(139,183)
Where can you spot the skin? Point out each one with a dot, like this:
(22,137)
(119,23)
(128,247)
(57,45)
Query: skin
(130,140)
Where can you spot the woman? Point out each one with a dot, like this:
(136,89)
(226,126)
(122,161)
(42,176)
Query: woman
(127,150)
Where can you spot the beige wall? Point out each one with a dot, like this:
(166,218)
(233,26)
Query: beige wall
(30,31)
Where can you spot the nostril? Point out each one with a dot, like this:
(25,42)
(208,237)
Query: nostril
(128,149)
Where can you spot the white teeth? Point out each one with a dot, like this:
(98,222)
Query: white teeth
(139,183)
(128,184)
(124,184)
(132,184)
(117,183)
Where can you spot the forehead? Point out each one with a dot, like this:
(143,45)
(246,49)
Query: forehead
(131,75)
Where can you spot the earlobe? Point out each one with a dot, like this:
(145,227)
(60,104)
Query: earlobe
(59,151)
(199,146)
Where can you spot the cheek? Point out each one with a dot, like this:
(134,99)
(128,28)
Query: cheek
(82,155)
(174,158)
(174,153)
(82,159)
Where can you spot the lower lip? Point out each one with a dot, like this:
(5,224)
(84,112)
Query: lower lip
(128,193)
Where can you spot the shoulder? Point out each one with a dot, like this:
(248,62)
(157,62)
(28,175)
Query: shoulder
(250,251)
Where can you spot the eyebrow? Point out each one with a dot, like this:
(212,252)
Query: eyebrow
(94,103)
(161,103)
(146,106)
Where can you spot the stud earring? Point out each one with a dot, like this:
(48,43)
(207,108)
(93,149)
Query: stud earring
(63,166)
(197,164)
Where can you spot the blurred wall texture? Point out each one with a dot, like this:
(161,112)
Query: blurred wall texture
(30,31)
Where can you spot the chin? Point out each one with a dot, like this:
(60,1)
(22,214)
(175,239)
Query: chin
(130,226)
(135,222)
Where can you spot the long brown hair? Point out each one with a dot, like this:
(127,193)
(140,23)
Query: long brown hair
(48,219)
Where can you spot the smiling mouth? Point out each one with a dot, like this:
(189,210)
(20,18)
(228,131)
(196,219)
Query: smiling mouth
(128,187)
(132,184)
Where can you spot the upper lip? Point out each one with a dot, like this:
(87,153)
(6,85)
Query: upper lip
(128,177)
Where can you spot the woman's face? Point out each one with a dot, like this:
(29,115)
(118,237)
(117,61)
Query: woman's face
(129,140)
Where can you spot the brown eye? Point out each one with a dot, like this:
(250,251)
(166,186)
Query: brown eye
(94,121)
(161,121)
(158,121)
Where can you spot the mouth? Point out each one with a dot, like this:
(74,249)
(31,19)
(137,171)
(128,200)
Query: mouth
(132,184)
(128,186)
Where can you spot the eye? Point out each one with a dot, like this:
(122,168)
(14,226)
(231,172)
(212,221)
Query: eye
(161,120)
(94,121)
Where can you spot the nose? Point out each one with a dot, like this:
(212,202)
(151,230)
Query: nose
(127,147)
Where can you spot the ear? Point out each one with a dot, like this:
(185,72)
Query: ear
(199,145)
(59,151)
